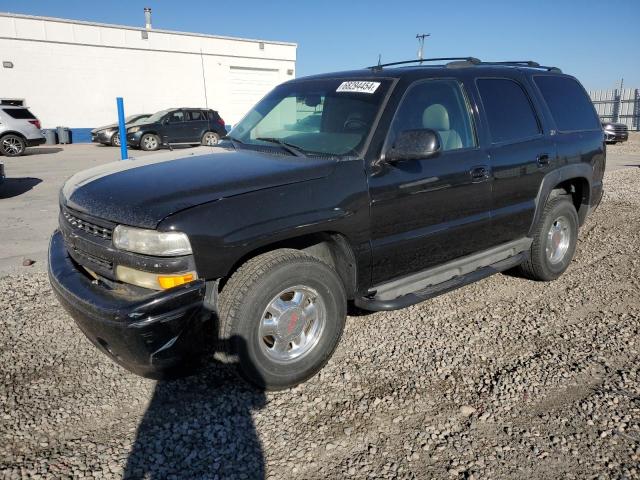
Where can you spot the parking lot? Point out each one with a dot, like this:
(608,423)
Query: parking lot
(503,378)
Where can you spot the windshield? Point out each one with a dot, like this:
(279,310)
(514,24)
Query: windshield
(156,117)
(137,119)
(325,117)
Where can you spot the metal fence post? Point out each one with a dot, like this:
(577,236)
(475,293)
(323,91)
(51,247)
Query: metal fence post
(122,131)
(636,110)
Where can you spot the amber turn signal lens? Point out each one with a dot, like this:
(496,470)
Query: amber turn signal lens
(174,281)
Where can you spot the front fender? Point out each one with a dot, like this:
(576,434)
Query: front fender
(225,231)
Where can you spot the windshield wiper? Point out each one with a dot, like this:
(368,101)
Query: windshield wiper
(293,149)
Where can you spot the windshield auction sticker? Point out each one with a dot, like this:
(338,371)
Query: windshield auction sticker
(358,87)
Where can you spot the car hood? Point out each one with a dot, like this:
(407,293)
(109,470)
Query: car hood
(143,192)
(97,129)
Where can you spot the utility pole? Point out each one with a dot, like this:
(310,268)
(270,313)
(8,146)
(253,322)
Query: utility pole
(421,37)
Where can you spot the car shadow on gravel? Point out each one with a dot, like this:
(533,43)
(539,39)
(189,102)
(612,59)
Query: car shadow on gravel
(200,426)
(13,187)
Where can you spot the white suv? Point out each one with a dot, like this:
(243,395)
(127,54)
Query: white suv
(19,129)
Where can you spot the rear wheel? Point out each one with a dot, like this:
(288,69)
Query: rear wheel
(210,138)
(554,240)
(115,140)
(282,314)
(12,145)
(149,142)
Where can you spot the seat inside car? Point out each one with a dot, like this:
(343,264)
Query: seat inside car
(436,117)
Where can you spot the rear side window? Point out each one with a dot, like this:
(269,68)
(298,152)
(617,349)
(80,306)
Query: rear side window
(568,102)
(509,111)
(19,113)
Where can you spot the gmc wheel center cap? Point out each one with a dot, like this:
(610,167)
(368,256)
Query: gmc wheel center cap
(291,323)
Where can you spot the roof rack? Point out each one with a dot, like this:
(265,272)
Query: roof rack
(458,62)
(524,63)
(380,66)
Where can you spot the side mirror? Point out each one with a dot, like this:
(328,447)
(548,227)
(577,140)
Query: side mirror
(414,145)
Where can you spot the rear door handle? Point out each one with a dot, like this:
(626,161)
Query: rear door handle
(480,173)
(543,159)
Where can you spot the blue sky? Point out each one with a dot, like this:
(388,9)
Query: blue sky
(586,38)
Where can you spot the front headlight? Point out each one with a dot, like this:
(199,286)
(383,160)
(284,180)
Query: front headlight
(151,242)
(133,129)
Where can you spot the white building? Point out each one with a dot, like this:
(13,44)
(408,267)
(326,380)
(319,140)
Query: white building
(69,73)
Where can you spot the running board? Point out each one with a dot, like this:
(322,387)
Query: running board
(435,281)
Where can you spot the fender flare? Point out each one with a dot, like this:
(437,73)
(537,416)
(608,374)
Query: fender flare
(553,179)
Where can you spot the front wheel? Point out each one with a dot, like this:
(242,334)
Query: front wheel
(115,140)
(149,142)
(12,145)
(554,240)
(282,314)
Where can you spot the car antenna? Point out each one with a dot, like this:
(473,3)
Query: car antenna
(421,37)
(379,60)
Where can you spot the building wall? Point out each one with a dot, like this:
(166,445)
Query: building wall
(70,73)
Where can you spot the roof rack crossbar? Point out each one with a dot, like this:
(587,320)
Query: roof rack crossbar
(472,60)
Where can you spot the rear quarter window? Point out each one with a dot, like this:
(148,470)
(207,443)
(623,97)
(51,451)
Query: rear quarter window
(19,113)
(569,104)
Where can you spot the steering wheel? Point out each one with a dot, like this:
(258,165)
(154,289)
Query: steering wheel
(355,123)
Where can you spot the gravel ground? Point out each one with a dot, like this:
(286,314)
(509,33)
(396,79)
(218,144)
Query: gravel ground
(505,378)
(630,146)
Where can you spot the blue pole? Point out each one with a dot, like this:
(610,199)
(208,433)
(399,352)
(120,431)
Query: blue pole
(122,130)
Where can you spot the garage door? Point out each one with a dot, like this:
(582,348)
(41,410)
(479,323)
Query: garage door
(248,85)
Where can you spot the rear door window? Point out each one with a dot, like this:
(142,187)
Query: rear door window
(509,112)
(195,116)
(569,104)
(19,113)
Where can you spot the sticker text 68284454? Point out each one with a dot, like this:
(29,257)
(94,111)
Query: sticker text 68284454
(358,87)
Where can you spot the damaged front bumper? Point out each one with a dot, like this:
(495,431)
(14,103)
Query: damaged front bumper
(149,333)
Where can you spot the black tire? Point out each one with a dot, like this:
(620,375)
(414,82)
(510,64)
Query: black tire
(150,142)
(243,303)
(115,140)
(210,138)
(559,208)
(12,145)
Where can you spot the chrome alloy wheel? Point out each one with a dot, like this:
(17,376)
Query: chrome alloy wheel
(558,239)
(210,139)
(12,146)
(292,324)
(150,142)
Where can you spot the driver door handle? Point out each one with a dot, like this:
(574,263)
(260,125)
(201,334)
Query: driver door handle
(481,173)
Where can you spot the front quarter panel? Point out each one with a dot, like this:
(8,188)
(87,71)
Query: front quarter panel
(226,231)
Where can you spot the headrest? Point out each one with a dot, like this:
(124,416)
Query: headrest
(436,117)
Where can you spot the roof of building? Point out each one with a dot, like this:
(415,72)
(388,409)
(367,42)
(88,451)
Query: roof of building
(129,27)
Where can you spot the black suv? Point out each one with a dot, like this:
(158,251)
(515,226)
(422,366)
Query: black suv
(383,186)
(177,126)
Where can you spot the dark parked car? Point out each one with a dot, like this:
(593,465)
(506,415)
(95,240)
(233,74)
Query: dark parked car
(2,174)
(413,182)
(109,135)
(177,126)
(615,132)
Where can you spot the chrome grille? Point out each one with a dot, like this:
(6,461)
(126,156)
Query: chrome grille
(86,226)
